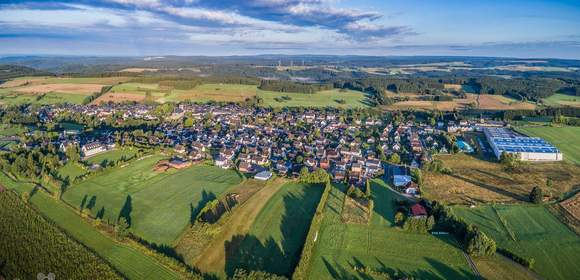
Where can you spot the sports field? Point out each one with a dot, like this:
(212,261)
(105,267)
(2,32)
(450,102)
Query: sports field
(329,98)
(380,246)
(159,206)
(567,139)
(129,261)
(276,237)
(530,231)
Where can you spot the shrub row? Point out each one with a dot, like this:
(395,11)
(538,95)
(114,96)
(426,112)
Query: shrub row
(527,262)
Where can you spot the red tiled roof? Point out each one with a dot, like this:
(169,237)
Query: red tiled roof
(418,210)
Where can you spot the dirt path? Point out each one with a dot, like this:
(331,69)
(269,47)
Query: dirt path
(213,258)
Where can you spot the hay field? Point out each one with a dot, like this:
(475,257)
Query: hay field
(476,181)
(380,245)
(530,231)
(213,92)
(160,205)
(499,102)
(82,89)
(118,98)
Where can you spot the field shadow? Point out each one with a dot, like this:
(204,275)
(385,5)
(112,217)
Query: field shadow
(195,210)
(126,210)
(250,252)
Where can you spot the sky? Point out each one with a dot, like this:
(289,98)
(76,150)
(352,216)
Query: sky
(507,28)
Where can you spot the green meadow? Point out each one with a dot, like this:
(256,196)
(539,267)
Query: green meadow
(531,232)
(559,100)
(328,98)
(112,155)
(380,245)
(158,206)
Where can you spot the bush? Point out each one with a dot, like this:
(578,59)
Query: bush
(241,274)
(536,195)
(478,244)
(529,263)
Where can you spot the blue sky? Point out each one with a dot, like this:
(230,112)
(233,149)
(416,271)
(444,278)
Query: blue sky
(530,28)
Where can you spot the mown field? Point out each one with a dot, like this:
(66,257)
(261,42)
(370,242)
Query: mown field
(567,139)
(380,245)
(530,231)
(475,180)
(479,101)
(276,237)
(159,206)
(131,262)
(71,170)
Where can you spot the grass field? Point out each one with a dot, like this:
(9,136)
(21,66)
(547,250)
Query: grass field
(113,155)
(212,257)
(567,139)
(159,205)
(329,98)
(530,231)
(129,261)
(498,267)
(381,246)
(276,237)
(71,170)
(213,92)
(560,99)
(475,180)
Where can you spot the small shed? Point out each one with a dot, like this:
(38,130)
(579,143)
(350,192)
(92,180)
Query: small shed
(263,176)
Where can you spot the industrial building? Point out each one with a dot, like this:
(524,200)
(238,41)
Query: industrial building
(527,148)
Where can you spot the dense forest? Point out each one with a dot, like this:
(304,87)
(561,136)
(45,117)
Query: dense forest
(30,245)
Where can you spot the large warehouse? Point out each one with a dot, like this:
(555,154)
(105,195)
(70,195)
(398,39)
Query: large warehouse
(528,148)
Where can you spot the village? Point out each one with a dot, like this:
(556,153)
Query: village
(352,148)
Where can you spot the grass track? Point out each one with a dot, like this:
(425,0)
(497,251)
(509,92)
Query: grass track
(538,234)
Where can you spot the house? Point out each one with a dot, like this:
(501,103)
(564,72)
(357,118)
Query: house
(263,176)
(418,211)
(401,180)
(246,167)
(93,148)
(223,162)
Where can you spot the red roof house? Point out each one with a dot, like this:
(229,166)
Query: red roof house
(418,211)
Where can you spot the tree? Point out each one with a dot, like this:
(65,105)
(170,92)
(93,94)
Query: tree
(26,196)
(478,244)
(368,189)
(399,218)
(122,228)
(510,161)
(549,182)
(536,195)
(417,176)
(395,158)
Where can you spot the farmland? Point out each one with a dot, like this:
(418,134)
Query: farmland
(381,246)
(530,231)
(565,138)
(276,237)
(158,206)
(214,92)
(479,101)
(131,262)
(52,90)
(475,180)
